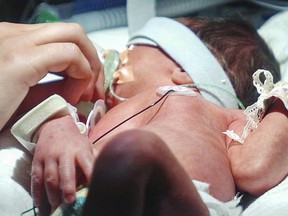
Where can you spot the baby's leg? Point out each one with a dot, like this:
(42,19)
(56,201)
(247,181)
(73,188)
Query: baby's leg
(136,174)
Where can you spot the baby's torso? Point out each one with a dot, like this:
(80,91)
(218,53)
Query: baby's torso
(193,132)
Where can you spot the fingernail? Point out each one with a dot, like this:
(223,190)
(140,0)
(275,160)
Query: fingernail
(69,198)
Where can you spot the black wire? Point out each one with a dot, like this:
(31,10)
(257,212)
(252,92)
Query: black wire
(34,210)
(143,110)
(29,210)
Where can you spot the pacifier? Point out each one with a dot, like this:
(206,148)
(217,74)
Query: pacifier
(111,64)
(96,114)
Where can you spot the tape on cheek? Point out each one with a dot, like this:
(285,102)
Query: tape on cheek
(124,75)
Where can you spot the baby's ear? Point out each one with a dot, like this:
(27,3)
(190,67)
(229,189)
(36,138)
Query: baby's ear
(180,77)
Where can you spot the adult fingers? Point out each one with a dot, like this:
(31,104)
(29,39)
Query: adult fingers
(73,33)
(67,175)
(95,89)
(98,91)
(37,185)
(44,37)
(40,34)
(73,90)
(59,57)
(51,181)
(66,32)
(8,29)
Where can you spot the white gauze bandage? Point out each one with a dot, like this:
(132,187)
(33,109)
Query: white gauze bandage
(184,47)
(53,107)
(269,92)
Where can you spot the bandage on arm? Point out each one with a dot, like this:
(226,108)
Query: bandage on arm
(255,113)
(53,107)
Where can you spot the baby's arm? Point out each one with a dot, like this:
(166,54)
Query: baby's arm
(60,149)
(261,161)
(60,152)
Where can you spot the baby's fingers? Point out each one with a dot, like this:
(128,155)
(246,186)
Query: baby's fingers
(51,181)
(67,175)
(37,185)
(86,162)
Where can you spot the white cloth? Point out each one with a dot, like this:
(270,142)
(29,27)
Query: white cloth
(216,207)
(274,31)
(272,203)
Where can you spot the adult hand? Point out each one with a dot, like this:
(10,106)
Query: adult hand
(60,154)
(29,52)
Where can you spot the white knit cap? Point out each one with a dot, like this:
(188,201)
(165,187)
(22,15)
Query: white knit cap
(182,45)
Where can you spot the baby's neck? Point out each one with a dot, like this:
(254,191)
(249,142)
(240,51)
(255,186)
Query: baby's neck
(171,108)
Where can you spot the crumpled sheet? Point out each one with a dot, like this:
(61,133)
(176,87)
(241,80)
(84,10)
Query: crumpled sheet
(272,203)
(275,32)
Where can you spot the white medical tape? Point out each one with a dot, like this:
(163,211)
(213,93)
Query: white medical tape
(52,107)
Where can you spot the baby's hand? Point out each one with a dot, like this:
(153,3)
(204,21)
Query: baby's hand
(61,150)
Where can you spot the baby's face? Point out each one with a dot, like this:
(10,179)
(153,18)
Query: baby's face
(144,68)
